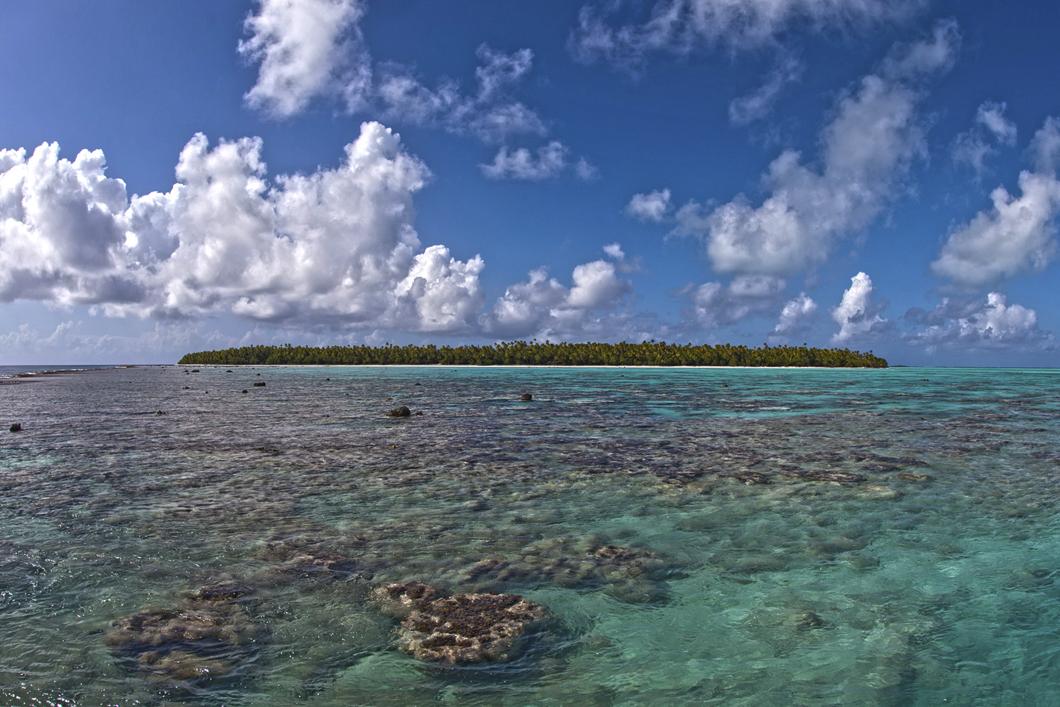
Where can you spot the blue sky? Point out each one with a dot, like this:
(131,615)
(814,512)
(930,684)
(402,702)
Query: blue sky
(781,171)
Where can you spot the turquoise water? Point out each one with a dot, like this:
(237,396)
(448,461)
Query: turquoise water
(790,536)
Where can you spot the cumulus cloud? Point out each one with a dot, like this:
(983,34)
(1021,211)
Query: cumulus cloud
(544,307)
(758,103)
(547,162)
(717,304)
(306,49)
(795,314)
(336,245)
(857,315)
(1017,233)
(866,148)
(993,324)
(973,147)
(604,31)
(61,229)
(650,206)
(314,49)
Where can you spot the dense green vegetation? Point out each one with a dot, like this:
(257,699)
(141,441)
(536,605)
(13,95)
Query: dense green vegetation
(649,353)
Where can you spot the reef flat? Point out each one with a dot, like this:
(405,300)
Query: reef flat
(546,535)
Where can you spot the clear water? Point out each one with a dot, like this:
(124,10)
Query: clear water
(930,576)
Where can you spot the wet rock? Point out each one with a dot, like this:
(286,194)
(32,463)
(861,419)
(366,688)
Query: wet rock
(259,384)
(526,397)
(245,390)
(17,427)
(469,628)
(401,411)
(161,412)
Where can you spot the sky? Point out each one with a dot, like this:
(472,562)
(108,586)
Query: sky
(873,174)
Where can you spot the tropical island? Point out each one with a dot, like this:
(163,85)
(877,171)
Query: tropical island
(534,353)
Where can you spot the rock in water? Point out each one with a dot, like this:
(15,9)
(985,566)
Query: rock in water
(398,599)
(259,384)
(458,629)
(468,628)
(526,397)
(402,411)
(17,427)
(207,635)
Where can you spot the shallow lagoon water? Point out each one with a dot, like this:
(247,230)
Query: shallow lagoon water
(810,536)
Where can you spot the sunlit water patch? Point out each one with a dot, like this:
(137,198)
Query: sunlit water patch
(691,536)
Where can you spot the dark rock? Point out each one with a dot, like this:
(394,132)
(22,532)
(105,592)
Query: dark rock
(259,384)
(161,412)
(195,370)
(244,390)
(401,411)
(526,397)
(17,427)
(187,387)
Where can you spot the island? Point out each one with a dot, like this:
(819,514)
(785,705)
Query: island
(533,353)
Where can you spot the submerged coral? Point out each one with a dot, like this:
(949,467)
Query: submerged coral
(207,635)
(462,628)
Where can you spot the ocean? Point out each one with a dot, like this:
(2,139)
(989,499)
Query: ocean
(692,536)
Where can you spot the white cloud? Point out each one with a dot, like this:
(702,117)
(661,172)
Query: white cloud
(61,228)
(337,245)
(651,206)
(794,314)
(973,147)
(757,104)
(498,69)
(585,170)
(306,49)
(680,26)
(1045,147)
(991,116)
(716,304)
(1017,233)
(549,161)
(995,324)
(857,315)
(542,306)
(614,250)
(866,148)
(488,113)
